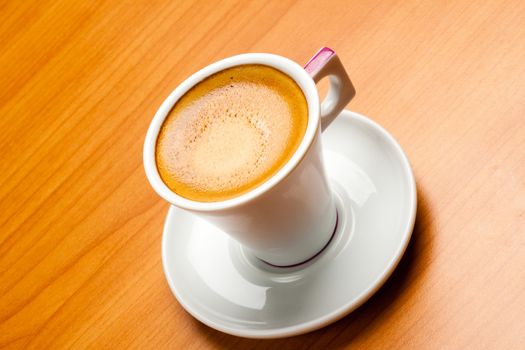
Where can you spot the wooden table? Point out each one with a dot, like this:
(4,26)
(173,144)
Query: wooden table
(80,227)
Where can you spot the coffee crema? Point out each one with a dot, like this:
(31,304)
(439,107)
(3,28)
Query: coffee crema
(231,132)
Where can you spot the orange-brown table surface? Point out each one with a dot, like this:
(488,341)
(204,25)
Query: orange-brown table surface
(80,227)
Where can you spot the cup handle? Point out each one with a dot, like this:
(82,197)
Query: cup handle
(325,62)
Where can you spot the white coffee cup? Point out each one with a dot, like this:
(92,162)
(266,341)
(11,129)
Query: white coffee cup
(292,216)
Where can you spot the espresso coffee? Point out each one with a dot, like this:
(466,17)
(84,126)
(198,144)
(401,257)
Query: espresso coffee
(231,132)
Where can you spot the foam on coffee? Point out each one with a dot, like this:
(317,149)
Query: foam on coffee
(231,132)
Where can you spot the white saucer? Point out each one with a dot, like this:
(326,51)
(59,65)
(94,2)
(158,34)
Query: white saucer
(221,285)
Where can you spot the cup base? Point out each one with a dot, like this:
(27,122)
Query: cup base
(227,288)
(341,214)
(244,256)
(303,263)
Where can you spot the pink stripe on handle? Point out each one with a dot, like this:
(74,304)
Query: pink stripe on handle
(319,60)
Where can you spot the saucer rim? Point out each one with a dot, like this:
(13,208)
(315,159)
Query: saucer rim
(343,310)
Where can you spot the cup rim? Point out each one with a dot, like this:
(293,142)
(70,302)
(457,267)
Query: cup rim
(283,64)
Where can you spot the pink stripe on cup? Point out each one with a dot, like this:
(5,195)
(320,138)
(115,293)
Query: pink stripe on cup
(319,59)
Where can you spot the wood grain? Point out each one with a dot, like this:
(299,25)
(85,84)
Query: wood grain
(80,227)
